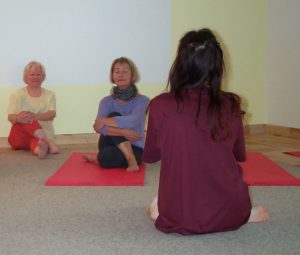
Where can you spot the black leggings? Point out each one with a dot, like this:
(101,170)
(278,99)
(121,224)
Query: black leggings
(109,155)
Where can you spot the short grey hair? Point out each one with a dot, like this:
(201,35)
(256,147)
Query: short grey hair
(30,65)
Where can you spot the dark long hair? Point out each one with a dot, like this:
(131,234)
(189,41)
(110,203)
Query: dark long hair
(199,64)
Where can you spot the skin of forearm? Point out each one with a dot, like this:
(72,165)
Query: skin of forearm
(129,134)
(50,115)
(114,131)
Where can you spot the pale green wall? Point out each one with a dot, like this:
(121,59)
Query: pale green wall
(239,23)
(76,106)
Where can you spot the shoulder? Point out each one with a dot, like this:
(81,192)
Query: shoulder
(48,92)
(142,98)
(163,103)
(18,93)
(232,101)
(106,99)
(162,98)
(230,95)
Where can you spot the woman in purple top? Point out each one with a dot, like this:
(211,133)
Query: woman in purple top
(196,131)
(121,120)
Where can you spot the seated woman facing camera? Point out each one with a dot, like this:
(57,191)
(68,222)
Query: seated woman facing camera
(195,130)
(121,120)
(31,111)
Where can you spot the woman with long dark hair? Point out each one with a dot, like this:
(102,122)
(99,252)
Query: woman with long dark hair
(196,131)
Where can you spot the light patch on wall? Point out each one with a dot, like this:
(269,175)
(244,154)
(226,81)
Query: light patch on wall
(77,40)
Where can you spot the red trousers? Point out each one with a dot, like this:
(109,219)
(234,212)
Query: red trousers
(21,136)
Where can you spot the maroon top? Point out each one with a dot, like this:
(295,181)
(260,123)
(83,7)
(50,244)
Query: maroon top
(200,188)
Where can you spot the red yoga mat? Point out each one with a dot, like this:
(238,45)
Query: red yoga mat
(294,153)
(75,171)
(261,171)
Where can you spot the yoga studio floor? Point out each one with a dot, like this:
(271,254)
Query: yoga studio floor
(39,219)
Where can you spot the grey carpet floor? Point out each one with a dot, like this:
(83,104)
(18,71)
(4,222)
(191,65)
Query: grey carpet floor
(38,219)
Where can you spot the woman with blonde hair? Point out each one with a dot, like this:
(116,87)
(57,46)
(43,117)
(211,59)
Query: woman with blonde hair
(31,111)
(120,120)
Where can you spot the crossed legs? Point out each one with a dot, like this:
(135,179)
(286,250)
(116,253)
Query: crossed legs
(33,137)
(114,155)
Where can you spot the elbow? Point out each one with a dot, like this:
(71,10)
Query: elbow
(11,119)
(53,115)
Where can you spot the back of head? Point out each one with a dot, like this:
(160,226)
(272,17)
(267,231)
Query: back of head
(199,62)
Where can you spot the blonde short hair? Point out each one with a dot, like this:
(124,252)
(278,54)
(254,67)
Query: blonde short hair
(30,65)
(135,76)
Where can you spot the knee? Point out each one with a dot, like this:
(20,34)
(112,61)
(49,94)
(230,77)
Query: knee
(16,143)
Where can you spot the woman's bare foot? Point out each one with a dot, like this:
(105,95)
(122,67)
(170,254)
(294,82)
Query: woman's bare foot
(53,149)
(259,214)
(132,165)
(152,209)
(42,149)
(90,158)
(126,149)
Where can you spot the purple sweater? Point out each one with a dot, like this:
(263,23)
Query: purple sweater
(133,115)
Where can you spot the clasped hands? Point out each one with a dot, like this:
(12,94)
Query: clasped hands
(129,134)
(26,117)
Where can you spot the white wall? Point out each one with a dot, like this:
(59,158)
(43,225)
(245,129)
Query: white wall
(77,40)
(283,63)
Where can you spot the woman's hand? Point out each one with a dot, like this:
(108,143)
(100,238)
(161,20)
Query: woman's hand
(26,117)
(98,125)
(101,122)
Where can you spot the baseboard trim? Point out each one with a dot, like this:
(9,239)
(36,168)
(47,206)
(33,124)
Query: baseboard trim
(283,131)
(256,129)
(272,130)
(92,138)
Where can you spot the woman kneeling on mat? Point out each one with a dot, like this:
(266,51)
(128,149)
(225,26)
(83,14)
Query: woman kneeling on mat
(196,131)
(31,111)
(121,120)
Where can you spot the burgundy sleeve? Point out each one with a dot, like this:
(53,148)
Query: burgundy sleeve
(152,151)
(239,150)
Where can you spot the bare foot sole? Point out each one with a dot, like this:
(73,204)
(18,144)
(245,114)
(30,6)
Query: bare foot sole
(42,149)
(259,214)
(90,158)
(152,209)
